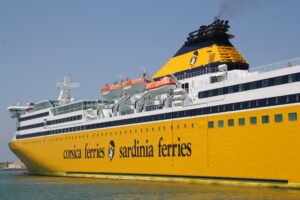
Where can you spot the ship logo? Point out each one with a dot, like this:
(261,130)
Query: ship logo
(194,58)
(111,150)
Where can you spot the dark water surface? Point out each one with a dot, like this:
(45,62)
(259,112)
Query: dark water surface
(14,186)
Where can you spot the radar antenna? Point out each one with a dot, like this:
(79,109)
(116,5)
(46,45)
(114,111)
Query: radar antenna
(65,90)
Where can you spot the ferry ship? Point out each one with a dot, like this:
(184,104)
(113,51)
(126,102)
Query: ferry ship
(205,116)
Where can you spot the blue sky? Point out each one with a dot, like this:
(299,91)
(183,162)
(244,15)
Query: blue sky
(94,41)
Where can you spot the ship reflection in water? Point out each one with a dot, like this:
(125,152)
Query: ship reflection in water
(14,186)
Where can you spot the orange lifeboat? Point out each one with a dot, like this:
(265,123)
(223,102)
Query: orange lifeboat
(111,92)
(135,86)
(108,87)
(128,86)
(166,81)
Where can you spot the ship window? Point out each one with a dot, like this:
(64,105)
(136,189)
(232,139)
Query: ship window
(265,119)
(298,77)
(230,89)
(185,86)
(220,123)
(292,78)
(284,79)
(245,104)
(262,102)
(215,92)
(253,120)
(258,84)
(265,83)
(277,80)
(220,91)
(253,104)
(231,122)
(242,121)
(211,124)
(271,81)
(278,118)
(210,93)
(181,114)
(282,100)
(215,79)
(253,86)
(235,88)
(293,116)
(228,107)
(244,87)
(225,90)
(293,98)
(202,94)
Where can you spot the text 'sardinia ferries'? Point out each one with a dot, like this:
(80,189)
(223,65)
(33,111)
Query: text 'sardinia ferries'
(203,116)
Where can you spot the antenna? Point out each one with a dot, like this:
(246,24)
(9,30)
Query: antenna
(65,90)
(144,69)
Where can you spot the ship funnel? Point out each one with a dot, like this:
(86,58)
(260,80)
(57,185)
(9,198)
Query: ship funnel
(203,51)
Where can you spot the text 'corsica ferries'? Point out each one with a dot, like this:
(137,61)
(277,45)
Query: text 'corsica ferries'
(204,116)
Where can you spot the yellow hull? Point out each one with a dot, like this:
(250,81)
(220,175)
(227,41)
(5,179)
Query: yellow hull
(183,149)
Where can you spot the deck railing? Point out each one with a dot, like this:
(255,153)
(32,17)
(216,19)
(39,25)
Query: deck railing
(279,65)
(265,68)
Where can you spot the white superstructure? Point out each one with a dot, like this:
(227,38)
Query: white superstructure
(214,90)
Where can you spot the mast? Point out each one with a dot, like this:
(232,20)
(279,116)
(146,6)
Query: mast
(65,90)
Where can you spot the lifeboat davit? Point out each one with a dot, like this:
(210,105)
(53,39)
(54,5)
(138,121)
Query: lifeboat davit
(163,86)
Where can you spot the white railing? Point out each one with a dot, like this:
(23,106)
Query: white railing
(265,68)
(279,65)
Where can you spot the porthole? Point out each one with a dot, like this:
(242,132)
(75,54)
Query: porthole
(265,119)
(210,124)
(230,122)
(253,120)
(242,121)
(278,118)
(292,116)
(220,123)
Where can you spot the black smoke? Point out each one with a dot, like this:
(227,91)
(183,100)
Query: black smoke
(232,8)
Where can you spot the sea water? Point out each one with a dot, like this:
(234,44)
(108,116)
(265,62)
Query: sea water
(15,186)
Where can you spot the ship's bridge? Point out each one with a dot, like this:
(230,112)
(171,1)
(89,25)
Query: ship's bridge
(76,106)
(45,104)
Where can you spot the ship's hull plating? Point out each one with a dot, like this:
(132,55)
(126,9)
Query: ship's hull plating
(182,149)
